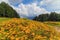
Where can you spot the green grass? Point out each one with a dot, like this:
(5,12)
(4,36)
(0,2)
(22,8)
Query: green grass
(4,19)
(48,23)
(56,24)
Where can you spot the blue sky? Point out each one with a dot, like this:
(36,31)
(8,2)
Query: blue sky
(32,8)
(30,1)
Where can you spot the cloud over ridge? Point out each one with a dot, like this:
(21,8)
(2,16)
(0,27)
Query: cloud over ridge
(34,8)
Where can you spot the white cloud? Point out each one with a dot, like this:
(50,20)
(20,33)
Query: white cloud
(29,10)
(15,2)
(4,1)
(53,5)
(0,1)
(12,2)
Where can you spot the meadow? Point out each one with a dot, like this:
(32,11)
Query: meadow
(3,19)
(24,29)
(56,24)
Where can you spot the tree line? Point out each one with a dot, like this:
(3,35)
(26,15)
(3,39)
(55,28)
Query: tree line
(53,16)
(7,11)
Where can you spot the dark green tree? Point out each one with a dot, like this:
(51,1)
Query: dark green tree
(53,16)
(7,11)
(42,17)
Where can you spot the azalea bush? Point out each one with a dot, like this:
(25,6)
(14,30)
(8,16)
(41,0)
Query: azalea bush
(21,29)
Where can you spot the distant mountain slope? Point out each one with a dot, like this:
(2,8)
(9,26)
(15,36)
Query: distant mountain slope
(24,29)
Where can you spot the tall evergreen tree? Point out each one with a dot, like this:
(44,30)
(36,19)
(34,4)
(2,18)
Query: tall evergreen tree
(7,11)
(53,16)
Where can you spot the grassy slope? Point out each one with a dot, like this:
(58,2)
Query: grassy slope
(3,19)
(56,24)
(26,29)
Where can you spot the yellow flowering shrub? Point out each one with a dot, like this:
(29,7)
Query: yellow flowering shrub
(24,29)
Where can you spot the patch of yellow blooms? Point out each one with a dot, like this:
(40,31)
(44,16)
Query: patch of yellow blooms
(23,29)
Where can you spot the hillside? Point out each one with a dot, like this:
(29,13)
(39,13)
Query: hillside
(7,11)
(55,24)
(24,29)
